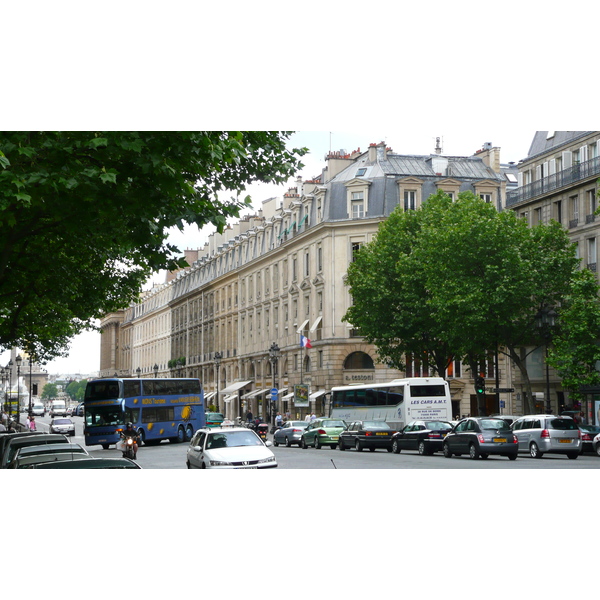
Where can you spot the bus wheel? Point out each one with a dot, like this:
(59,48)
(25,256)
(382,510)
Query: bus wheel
(189,432)
(106,446)
(141,436)
(180,436)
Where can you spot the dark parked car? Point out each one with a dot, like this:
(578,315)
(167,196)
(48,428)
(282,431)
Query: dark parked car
(426,437)
(27,439)
(480,437)
(290,433)
(367,434)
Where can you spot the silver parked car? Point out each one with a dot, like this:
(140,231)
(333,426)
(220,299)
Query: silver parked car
(538,434)
(63,425)
(290,434)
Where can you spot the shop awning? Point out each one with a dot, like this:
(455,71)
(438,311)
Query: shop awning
(301,328)
(229,398)
(254,393)
(288,396)
(316,324)
(317,394)
(209,395)
(234,387)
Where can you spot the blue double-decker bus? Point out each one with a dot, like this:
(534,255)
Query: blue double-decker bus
(159,409)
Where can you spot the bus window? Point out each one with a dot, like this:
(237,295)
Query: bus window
(132,415)
(382,397)
(102,390)
(131,388)
(370,398)
(395,395)
(422,391)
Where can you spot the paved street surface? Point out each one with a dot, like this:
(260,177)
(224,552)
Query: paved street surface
(172,456)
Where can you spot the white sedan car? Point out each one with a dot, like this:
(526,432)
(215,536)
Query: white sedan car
(596,444)
(229,448)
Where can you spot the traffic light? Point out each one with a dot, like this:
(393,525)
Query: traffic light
(480,384)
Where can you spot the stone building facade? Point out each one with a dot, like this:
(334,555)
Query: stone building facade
(559,180)
(279,274)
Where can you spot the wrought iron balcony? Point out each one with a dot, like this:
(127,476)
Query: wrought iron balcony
(564,178)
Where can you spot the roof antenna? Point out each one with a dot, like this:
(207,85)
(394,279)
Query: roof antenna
(438,147)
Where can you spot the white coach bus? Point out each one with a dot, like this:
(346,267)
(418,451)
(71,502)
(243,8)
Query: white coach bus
(398,402)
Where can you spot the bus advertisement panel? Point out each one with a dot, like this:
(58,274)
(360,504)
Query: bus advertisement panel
(159,409)
(397,402)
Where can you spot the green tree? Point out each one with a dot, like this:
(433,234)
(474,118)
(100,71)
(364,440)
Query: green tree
(575,351)
(457,278)
(84,217)
(50,391)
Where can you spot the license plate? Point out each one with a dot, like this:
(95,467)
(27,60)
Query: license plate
(334,437)
(565,440)
(381,433)
(500,440)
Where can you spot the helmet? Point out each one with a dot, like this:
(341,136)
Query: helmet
(129,425)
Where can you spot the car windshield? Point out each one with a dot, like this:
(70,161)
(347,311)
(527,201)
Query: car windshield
(333,424)
(232,439)
(62,421)
(494,424)
(563,424)
(375,425)
(438,425)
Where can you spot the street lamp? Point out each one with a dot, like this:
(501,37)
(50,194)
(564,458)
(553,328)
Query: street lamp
(546,319)
(218,359)
(30,386)
(138,372)
(4,378)
(18,361)
(155,369)
(274,355)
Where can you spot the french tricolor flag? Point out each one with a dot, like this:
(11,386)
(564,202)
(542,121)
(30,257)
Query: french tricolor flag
(304,342)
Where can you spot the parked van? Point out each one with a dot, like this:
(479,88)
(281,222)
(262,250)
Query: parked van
(58,408)
(538,434)
(38,409)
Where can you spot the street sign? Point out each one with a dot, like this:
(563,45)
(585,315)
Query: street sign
(502,390)
(274,394)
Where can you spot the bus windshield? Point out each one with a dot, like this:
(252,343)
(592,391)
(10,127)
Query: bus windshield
(103,415)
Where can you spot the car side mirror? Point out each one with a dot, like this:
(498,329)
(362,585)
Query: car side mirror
(197,448)
(268,443)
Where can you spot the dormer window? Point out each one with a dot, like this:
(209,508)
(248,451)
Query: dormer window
(361,172)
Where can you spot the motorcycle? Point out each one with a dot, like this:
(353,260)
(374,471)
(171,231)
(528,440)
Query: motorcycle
(262,431)
(130,446)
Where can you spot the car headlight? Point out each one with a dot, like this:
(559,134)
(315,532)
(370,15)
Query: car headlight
(219,463)
(267,460)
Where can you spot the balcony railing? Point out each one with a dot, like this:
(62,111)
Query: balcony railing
(566,177)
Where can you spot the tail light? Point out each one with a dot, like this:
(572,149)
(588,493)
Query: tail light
(480,438)
(321,432)
(545,433)
(515,440)
(586,437)
(368,433)
(434,435)
(296,430)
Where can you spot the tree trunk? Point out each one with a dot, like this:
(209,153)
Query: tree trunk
(528,407)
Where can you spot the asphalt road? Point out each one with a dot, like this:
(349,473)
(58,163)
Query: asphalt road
(172,456)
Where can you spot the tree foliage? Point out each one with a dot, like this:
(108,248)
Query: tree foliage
(84,217)
(575,352)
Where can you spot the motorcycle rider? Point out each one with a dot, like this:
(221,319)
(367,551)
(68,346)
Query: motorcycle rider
(129,431)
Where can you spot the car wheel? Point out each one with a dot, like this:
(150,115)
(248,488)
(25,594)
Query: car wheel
(598,449)
(396,447)
(513,456)
(446,450)
(534,451)
(483,455)
(188,464)
(317,442)
(288,444)
(275,442)
(333,446)
(358,446)
(573,455)
(422,451)
(303,444)
(473,452)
